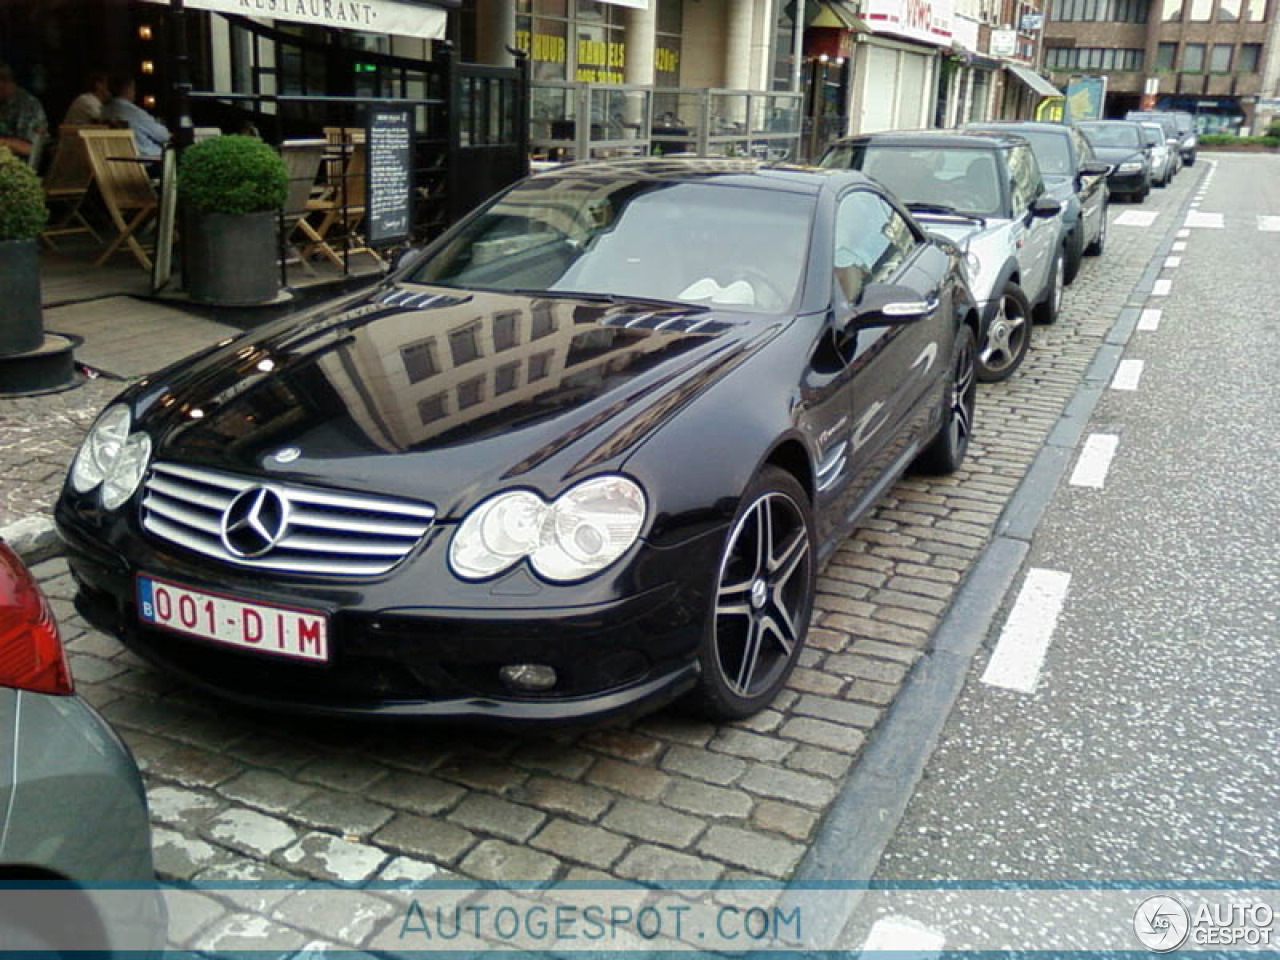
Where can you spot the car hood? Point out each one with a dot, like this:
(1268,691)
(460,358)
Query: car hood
(1117,155)
(439,394)
(988,245)
(1061,187)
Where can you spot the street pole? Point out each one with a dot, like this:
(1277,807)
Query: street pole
(797,47)
(183,126)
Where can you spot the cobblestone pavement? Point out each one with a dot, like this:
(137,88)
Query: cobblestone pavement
(238,795)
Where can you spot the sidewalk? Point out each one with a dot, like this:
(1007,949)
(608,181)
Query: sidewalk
(124,338)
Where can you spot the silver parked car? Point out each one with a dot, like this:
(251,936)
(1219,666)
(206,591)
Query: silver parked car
(1164,158)
(77,818)
(986,194)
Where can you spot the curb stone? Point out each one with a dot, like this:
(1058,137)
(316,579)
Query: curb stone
(33,539)
(865,815)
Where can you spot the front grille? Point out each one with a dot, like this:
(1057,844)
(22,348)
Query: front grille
(326,533)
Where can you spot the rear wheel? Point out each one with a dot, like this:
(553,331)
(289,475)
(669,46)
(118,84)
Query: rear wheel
(763,601)
(1100,241)
(1075,251)
(946,451)
(1007,337)
(1047,309)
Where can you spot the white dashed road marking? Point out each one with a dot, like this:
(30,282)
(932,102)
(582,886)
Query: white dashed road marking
(1268,224)
(1161,287)
(1184,232)
(1180,246)
(1024,641)
(1095,460)
(1128,373)
(1172,262)
(1210,221)
(1135,218)
(1149,320)
(902,933)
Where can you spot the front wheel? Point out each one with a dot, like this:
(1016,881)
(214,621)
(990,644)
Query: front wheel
(1100,241)
(1074,251)
(1007,337)
(763,599)
(946,451)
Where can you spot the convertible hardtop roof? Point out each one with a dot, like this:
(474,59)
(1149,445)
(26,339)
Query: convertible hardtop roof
(937,138)
(727,171)
(1040,126)
(1109,123)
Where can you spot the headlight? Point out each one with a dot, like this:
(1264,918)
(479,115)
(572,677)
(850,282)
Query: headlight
(587,528)
(973,263)
(126,473)
(101,448)
(1130,166)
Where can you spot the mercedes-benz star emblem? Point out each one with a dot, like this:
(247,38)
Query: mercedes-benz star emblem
(254,522)
(287,454)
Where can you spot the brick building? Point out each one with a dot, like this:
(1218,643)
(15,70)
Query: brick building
(1207,57)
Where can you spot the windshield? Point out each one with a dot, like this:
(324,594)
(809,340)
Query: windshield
(965,179)
(696,243)
(1112,134)
(1051,150)
(1152,134)
(1167,124)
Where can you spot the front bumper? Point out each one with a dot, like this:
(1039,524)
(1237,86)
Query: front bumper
(394,654)
(1128,182)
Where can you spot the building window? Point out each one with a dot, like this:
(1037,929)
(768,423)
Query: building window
(463,346)
(539,366)
(1257,11)
(1166,56)
(1250,56)
(505,378)
(1220,58)
(505,334)
(470,392)
(1095,58)
(1229,9)
(1171,11)
(1202,9)
(544,321)
(1193,58)
(420,360)
(1105,11)
(431,409)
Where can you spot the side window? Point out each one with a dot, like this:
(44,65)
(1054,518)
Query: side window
(1084,152)
(872,240)
(1024,174)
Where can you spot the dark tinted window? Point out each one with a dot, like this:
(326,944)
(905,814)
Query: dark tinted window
(1052,151)
(871,242)
(1024,175)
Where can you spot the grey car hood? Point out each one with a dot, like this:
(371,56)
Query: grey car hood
(986,247)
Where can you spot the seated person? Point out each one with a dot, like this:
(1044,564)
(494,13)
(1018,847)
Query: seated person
(22,119)
(149,133)
(87,108)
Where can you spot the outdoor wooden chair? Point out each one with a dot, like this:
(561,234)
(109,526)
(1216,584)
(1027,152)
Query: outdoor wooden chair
(302,159)
(67,184)
(125,186)
(344,209)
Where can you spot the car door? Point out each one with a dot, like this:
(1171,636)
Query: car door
(892,366)
(1092,190)
(1038,235)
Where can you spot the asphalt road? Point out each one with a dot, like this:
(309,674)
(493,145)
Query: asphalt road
(1145,745)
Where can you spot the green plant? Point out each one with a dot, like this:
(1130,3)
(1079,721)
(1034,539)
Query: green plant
(22,210)
(1273,128)
(233,175)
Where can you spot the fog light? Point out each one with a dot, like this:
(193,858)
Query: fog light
(529,677)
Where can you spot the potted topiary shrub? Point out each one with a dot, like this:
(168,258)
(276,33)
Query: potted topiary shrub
(22,217)
(231,189)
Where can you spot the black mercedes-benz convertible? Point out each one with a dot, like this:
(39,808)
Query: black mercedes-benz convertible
(581,455)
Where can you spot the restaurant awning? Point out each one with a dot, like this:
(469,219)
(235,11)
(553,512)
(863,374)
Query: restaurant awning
(837,13)
(1033,80)
(371,16)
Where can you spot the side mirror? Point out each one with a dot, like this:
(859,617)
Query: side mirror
(890,304)
(1095,168)
(1172,142)
(1045,207)
(405,256)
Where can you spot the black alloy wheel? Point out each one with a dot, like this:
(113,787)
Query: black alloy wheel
(1100,241)
(946,451)
(1008,337)
(764,599)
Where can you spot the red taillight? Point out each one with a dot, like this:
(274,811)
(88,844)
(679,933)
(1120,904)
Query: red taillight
(30,649)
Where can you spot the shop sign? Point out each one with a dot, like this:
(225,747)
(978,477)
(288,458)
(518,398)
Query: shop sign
(1004,43)
(964,32)
(929,21)
(1032,22)
(371,16)
(597,60)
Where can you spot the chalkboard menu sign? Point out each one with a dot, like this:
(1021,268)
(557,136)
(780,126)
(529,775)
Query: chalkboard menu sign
(390,146)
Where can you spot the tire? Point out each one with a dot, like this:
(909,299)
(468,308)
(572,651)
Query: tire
(946,451)
(1144,192)
(763,599)
(1047,310)
(1191,161)
(1001,352)
(1100,241)
(1074,251)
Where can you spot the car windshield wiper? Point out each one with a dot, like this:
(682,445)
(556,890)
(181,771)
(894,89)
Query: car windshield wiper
(621,299)
(946,210)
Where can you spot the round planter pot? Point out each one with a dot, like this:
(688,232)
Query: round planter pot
(231,259)
(21,325)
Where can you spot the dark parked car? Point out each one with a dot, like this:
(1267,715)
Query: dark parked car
(75,813)
(584,454)
(986,194)
(1178,127)
(1122,144)
(1074,177)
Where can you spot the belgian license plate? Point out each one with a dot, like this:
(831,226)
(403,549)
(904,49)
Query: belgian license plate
(267,628)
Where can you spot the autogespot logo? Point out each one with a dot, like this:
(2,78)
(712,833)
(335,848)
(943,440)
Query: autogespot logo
(1161,923)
